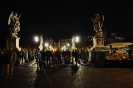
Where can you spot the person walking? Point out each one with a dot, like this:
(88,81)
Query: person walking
(29,55)
(21,56)
(130,52)
(43,55)
(76,55)
(10,60)
(39,59)
(58,56)
(48,55)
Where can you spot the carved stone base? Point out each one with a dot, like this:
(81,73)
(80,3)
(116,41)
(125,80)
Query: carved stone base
(98,51)
(13,41)
(98,41)
(41,47)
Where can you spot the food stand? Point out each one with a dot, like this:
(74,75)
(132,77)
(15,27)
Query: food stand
(121,57)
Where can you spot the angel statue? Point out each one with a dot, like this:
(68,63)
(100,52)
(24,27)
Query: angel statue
(41,42)
(14,24)
(41,39)
(73,42)
(97,24)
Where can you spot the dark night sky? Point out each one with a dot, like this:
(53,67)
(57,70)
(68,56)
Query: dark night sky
(64,18)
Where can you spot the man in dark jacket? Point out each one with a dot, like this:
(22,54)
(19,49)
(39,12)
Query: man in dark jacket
(58,55)
(48,54)
(21,55)
(76,55)
(43,54)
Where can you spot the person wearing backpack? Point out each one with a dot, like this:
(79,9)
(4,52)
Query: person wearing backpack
(10,60)
(39,59)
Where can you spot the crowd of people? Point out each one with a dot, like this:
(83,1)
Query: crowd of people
(47,58)
(44,58)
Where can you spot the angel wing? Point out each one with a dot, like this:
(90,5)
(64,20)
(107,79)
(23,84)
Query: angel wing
(19,16)
(9,20)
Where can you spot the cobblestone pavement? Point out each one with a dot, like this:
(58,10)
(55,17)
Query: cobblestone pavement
(27,76)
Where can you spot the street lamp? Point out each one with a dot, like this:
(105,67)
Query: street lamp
(68,45)
(76,39)
(36,40)
(46,44)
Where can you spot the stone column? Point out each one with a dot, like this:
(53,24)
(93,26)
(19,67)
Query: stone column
(14,41)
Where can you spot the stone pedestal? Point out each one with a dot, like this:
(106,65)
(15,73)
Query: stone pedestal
(73,46)
(98,41)
(14,41)
(41,47)
(73,43)
(98,51)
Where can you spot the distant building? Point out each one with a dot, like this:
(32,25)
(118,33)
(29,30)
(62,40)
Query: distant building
(110,38)
(128,39)
(87,42)
(55,46)
(112,34)
(65,44)
(48,43)
(113,38)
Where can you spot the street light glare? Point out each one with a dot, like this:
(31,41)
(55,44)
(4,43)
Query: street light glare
(68,44)
(77,39)
(36,39)
(46,44)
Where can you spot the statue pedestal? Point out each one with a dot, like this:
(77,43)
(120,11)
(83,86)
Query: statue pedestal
(98,51)
(73,46)
(14,41)
(98,41)
(41,47)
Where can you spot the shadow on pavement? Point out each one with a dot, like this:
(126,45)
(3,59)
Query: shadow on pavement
(56,68)
(40,79)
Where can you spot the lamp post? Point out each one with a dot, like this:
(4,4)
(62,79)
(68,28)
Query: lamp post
(68,46)
(36,40)
(77,40)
